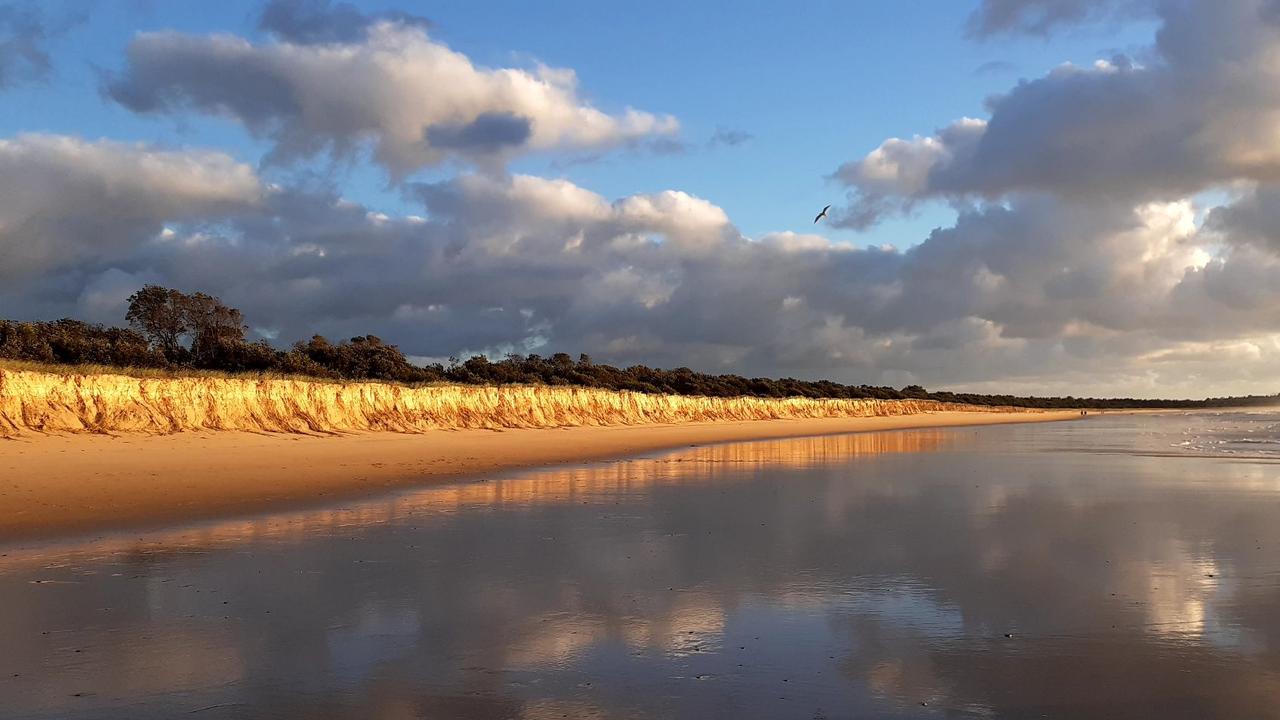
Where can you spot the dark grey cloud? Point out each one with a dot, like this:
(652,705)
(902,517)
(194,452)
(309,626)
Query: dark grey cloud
(995,67)
(1041,17)
(323,21)
(64,200)
(487,133)
(1253,219)
(666,146)
(166,76)
(1271,11)
(730,137)
(25,31)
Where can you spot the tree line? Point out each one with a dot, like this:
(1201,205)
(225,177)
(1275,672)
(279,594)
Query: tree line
(172,330)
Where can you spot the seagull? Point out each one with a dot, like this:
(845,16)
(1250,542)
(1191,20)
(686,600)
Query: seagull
(821,214)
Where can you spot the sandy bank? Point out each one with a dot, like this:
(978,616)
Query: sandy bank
(54,485)
(41,402)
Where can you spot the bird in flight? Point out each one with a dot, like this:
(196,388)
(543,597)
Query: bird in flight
(821,214)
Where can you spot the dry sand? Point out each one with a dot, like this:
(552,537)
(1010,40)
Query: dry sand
(52,485)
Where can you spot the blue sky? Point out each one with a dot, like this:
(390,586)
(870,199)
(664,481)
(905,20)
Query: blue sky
(813,85)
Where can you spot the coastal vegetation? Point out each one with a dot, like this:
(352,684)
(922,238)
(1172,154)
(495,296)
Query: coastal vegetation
(175,334)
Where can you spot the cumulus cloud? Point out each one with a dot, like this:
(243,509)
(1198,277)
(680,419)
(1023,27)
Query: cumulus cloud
(1204,111)
(321,21)
(1018,292)
(65,201)
(1076,247)
(899,173)
(414,100)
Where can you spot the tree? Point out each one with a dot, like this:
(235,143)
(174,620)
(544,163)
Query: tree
(160,314)
(217,330)
(915,391)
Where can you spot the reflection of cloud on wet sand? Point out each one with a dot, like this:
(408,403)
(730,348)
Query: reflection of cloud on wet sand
(181,660)
(560,709)
(691,623)
(983,584)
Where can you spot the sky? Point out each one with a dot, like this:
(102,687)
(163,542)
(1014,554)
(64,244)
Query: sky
(1030,196)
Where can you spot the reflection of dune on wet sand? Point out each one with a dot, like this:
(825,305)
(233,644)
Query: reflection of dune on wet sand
(698,464)
(597,482)
(818,451)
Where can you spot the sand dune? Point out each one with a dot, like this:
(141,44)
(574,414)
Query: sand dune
(99,451)
(33,401)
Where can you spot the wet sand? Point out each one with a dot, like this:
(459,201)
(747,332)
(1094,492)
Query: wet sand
(1048,570)
(54,485)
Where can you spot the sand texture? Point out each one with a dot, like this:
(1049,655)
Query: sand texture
(55,485)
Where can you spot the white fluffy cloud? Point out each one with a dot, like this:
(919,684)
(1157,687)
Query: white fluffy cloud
(417,102)
(1203,110)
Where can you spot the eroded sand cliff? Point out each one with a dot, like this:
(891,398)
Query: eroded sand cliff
(42,402)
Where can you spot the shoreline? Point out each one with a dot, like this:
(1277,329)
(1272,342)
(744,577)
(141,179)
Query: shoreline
(63,485)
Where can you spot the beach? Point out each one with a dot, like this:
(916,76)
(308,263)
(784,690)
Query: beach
(1123,566)
(377,360)
(59,484)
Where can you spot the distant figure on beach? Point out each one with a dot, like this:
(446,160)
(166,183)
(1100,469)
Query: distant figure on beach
(821,214)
